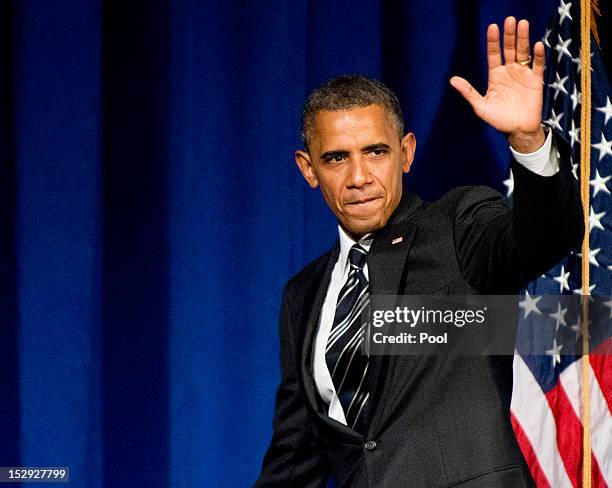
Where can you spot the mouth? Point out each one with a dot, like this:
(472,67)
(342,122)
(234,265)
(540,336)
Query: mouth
(363,201)
(362,205)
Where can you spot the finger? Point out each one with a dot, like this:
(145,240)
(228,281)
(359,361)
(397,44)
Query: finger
(538,59)
(468,92)
(493,48)
(522,43)
(510,40)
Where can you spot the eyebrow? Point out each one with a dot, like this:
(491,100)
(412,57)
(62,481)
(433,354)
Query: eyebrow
(375,146)
(341,152)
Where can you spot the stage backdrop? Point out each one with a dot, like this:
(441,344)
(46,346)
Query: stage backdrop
(151,211)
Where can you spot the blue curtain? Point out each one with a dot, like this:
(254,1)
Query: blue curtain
(150,210)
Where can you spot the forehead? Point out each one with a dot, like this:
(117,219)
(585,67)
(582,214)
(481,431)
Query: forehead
(358,126)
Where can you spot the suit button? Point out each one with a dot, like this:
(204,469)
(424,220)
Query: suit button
(370,445)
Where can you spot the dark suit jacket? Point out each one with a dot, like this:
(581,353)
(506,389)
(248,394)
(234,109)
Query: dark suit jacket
(437,421)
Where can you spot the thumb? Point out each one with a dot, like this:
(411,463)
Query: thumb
(468,92)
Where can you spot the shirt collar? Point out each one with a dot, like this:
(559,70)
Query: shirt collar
(346,242)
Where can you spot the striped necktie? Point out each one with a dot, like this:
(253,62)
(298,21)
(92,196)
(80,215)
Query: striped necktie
(347,365)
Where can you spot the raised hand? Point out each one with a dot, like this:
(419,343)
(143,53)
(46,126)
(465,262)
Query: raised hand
(513,102)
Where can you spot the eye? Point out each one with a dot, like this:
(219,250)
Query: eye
(338,158)
(378,151)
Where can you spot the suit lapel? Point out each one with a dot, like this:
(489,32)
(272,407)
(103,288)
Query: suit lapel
(387,258)
(313,302)
(315,296)
(390,248)
(387,271)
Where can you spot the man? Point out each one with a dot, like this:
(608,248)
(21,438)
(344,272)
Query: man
(422,421)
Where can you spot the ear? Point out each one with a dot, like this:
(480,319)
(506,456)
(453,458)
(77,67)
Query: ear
(302,159)
(408,148)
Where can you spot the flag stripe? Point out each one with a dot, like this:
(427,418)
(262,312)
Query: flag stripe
(531,409)
(529,454)
(600,363)
(569,430)
(601,420)
(597,479)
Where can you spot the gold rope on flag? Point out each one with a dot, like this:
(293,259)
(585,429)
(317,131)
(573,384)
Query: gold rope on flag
(595,12)
(585,176)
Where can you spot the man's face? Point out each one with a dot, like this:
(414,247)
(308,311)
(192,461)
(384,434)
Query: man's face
(357,159)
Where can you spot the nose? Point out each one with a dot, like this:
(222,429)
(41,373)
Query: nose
(359,173)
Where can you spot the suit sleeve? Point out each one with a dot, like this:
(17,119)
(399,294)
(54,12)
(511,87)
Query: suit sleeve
(500,250)
(293,457)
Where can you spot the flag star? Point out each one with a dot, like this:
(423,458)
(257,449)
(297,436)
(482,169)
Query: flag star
(595,219)
(545,38)
(599,184)
(578,62)
(559,317)
(604,147)
(576,97)
(609,305)
(562,48)
(579,291)
(575,169)
(562,279)
(577,328)
(509,184)
(592,254)
(574,135)
(558,85)
(555,352)
(554,120)
(607,110)
(530,304)
(564,11)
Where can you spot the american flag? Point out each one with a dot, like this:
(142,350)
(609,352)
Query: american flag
(547,396)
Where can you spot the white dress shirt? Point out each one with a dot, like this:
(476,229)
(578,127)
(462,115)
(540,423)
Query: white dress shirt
(544,162)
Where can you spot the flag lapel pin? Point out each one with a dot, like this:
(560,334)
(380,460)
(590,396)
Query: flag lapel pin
(397,240)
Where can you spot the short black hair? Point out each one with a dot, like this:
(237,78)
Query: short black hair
(348,92)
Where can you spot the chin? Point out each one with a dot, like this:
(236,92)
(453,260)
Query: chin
(363,228)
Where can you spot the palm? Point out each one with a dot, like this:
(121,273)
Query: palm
(513,102)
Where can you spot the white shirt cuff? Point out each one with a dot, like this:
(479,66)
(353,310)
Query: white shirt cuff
(544,161)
